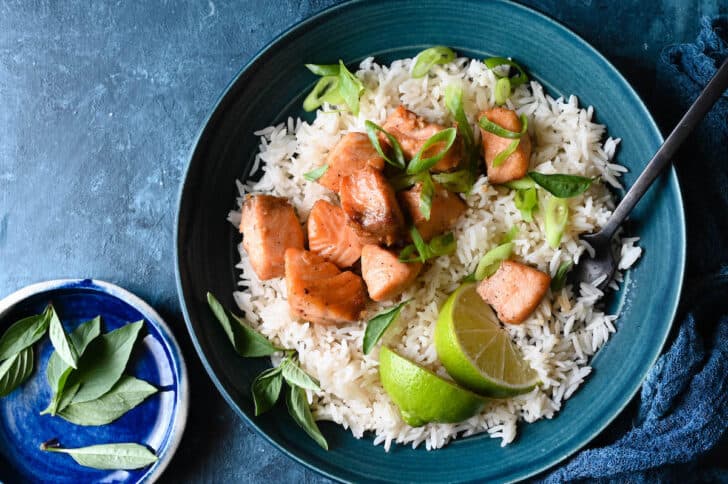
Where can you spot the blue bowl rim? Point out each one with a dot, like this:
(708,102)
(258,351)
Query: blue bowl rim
(299,27)
(153,318)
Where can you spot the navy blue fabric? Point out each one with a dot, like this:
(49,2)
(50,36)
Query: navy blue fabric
(678,430)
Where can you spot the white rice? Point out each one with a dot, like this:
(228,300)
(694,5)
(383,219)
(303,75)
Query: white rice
(557,340)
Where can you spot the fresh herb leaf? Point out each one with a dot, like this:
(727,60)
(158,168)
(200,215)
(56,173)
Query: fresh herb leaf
(128,393)
(426,194)
(526,201)
(502,90)
(418,164)
(316,173)
(460,181)
(15,371)
(246,341)
(57,371)
(495,62)
(502,132)
(350,88)
(441,245)
(24,333)
(323,69)
(490,262)
(103,362)
(295,376)
(325,90)
(555,219)
(63,346)
(521,184)
(266,389)
(559,280)
(379,324)
(122,456)
(301,412)
(398,160)
(562,186)
(429,57)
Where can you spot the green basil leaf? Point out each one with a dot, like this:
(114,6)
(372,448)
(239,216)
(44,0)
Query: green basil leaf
(350,88)
(559,280)
(300,411)
(63,346)
(127,394)
(443,244)
(377,326)
(521,184)
(295,376)
(426,194)
(266,389)
(560,185)
(372,129)
(502,91)
(323,69)
(526,201)
(103,362)
(24,333)
(502,132)
(555,219)
(429,57)
(122,456)
(490,262)
(460,181)
(316,173)
(15,371)
(246,341)
(419,164)
(516,81)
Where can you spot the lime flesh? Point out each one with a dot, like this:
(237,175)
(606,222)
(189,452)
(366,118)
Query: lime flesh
(421,395)
(477,351)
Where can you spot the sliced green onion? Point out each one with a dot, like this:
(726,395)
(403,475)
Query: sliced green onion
(402,181)
(350,88)
(503,155)
(443,244)
(398,160)
(526,200)
(502,132)
(515,81)
(426,194)
(559,280)
(490,262)
(317,173)
(419,164)
(460,181)
(510,235)
(521,184)
(326,86)
(502,91)
(454,103)
(323,69)
(556,217)
(420,245)
(429,57)
(562,186)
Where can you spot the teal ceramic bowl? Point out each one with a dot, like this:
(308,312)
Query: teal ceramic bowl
(272,86)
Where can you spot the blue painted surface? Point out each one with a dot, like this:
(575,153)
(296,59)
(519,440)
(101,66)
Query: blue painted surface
(156,423)
(100,103)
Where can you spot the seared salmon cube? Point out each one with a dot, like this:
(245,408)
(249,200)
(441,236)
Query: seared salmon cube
(353,152)
(514,290)
(269,226)
(515,166)
(319,292)
(330,236)
(371,207)
(444,213)
(411,131)
(385,276)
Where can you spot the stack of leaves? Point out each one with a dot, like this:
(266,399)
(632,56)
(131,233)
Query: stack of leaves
(86,374)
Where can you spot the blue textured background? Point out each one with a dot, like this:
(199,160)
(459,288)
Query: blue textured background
(99,104)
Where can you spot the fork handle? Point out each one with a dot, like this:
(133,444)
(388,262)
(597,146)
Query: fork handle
(707,98)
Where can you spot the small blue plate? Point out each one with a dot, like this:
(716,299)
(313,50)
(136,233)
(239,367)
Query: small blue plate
(157,423)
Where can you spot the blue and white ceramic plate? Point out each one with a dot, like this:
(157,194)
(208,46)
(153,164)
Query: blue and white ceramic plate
(157,423)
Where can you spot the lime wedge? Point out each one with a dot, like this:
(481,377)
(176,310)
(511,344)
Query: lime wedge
(421,395)
(476,351)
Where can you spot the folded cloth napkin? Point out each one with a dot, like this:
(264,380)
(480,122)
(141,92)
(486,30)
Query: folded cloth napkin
(679,430)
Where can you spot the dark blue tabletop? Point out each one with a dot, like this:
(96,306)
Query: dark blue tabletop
(99,105)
